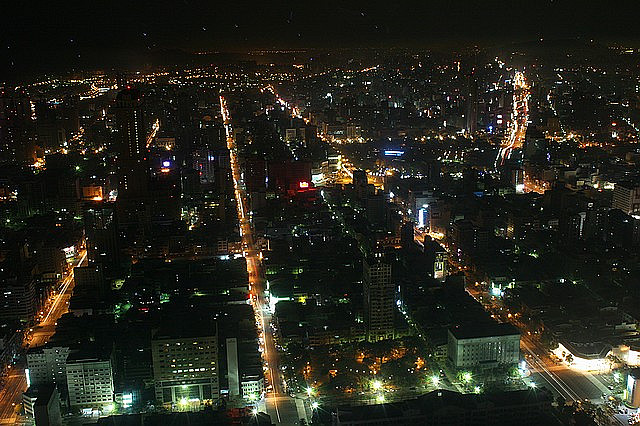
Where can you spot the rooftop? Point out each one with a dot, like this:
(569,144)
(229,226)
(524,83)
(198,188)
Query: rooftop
(476,331)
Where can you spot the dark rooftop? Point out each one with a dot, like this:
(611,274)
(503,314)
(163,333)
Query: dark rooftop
(475,331)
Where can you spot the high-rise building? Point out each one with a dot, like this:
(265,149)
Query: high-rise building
(437,258)
(51,260)
(633,388)
(101,235)
(130,123)
(49,129)
(185,362)
(246,379)
(89,380)
(48,364)
(17,131)
(471,116)
(90,280)
(17,299)
(379,300)
(360,183)
(132,156)
(376,209)
(42,403)
(232,367)
(468,238)
(626,197)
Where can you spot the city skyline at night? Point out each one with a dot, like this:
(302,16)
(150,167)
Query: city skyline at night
(320,214)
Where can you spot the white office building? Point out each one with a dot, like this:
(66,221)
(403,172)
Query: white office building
(478,346)
(626,197)
(48,364)
(185,365)
(90,381)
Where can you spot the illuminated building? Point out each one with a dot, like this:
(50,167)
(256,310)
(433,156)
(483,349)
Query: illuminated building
(185,362)
(379,300)
(584,356)
(164,198)
(353,131)
(483,345)
(244,381)
(48,364)
(626,197)
(232,367)
(632,393)
(204,162)
(89,380)
(437,258)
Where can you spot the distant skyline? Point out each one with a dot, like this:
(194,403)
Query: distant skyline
(45,36)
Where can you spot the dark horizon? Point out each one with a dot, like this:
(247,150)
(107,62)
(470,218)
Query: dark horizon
(47,37)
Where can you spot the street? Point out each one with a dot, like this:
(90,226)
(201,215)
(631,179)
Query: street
(279,405)
(520,117)
(16,383)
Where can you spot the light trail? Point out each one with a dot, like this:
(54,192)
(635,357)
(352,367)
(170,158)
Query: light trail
(520,117)
(256,290)
(67,281)
(551,377)
(154,131)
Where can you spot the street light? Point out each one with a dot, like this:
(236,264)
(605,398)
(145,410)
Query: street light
(376,385)
(309,391)
(315,405)
(435,380)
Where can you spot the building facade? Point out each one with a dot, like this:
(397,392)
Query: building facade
(48,365)
(379,300)
(483,346)
(18,299)
(42,403)
(626,197)
(90,381)
(185,369)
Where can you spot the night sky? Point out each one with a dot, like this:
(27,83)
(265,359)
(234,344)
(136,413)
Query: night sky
(45,36)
